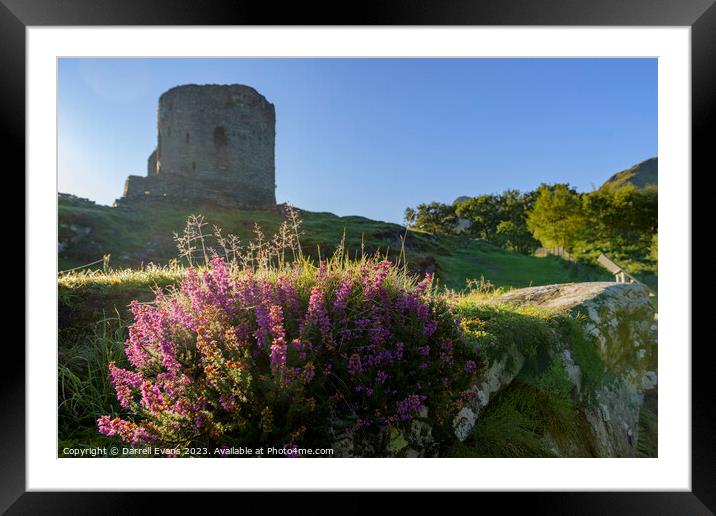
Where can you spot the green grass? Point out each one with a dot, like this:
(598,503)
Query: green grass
(648,443)
(143,234)
(523,420)
(554,379)
(538,414)
(503,269)
(494,327)
(586,356)
(84,389)
(88,296)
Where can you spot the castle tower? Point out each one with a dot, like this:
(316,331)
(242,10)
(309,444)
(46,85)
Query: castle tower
(215,144)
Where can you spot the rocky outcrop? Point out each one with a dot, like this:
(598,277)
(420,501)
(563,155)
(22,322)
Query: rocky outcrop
(499,372)
(618,316)
(621,322)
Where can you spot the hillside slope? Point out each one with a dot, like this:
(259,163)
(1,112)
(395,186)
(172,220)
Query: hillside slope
(640,175)
(143,234)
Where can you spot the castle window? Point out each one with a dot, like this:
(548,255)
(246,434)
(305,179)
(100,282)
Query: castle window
(220,136)
(193,166)
(187,137)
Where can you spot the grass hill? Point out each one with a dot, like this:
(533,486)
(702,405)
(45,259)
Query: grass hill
(142,234)
(640,175)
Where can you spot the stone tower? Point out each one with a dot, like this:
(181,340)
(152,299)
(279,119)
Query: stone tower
(215,144)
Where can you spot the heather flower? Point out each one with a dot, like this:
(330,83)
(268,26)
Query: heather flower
(308,373)
(422,311)
(228,402)
(317,313)
(126,430)
(354,364)
(425,284)
(278,348)
(258,296)
(287,292)
(409,407)
(344,290)
(430,328)
(399,347)
(124,382)
(152,398)
(204,359)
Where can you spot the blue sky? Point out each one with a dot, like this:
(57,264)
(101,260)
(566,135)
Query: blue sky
(374,136)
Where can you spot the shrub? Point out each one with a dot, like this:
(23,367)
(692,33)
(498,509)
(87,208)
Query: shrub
(242,357)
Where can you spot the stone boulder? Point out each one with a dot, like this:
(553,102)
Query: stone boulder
(622,324)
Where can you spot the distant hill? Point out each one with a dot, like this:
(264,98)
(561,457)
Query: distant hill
(640,175)
(143,233)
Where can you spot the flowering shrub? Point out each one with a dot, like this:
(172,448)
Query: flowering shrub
(241,357)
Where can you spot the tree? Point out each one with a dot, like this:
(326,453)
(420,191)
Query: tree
(483,213)
(512,232)
(622,222)
(556,218)
(435,217)
(410,216)
(499,219)
(515,236)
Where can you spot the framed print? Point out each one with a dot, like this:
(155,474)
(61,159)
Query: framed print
(417,249)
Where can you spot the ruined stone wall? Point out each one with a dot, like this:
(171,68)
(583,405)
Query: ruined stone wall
(152,164)
(215,143)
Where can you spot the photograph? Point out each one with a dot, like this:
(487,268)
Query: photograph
(432,247)
(357,257)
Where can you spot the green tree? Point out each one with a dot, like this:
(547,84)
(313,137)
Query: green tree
(483,214)
(434,217)
(410,216)
(622,222)
(556,218)
(512,232)
(499,219)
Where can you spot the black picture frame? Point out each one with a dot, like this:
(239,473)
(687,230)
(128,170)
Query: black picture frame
(700,15)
